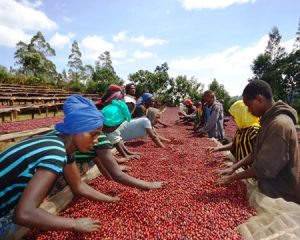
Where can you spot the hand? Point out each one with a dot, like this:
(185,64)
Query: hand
(211,150)
(225,180)
(122,160)
(155,185)
(86,225)
(226,171)
(114,199)
(134,156)
(226,164)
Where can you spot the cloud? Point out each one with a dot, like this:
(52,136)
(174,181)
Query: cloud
(18,16)
(34,4)
(59,40)
(121,36)
(230,67)
(67,19)
(147,42)
(10,37)
(210,4)
(119,54)
(142,55)
(93,46)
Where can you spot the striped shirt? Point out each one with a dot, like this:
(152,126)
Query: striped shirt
(103,143)
(20,162)
(243,142)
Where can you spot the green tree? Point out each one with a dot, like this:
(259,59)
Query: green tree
(104,75)
(33,62)
(221,93)
(269,66)
(75,63)
(156,82)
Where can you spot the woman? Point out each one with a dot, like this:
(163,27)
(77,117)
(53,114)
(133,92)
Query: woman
(118,130)
(142,105)
(30,168)
(248,126)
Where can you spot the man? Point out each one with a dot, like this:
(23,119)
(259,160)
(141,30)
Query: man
(213,117)
(275,156)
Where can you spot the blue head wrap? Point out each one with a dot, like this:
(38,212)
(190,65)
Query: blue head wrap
(145,97)
(116,113)
(81,115)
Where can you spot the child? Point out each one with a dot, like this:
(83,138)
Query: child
(275,156)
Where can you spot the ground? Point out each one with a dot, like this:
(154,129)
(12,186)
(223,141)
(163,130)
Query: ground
(189,205)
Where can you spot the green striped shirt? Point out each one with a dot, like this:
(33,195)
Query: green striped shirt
(103,143)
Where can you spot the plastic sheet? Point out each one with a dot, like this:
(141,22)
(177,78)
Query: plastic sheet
(276,218)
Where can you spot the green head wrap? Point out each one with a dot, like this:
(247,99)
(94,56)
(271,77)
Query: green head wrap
(115,113)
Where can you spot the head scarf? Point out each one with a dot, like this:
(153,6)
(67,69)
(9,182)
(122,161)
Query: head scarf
(116,113)
(119,95)
(114,88)
(242,116)
(151,114)
(81,115)
(188,102)
(146,97)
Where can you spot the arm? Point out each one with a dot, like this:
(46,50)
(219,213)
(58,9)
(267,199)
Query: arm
(154,138)
(219,148)
(249,173)
(124,151)
(29,214)
(80,188)
(246,161)
(163,124)
(106,159)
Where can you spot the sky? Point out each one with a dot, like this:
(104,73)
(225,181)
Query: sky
(204,39)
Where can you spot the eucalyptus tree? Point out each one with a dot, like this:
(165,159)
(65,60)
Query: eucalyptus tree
(75,63)
(32,59)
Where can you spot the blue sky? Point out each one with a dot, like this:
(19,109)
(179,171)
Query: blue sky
(206,39)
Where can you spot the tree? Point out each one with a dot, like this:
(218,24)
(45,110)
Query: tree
(32,59)
(156,82)
(104,75)
(269,66)
(221,93)
(75,64)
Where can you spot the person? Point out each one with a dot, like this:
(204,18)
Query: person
(118,132)
(130,98)
(198,117)
(131,103)
(275,156)
(106,162)
(245,136)
(153,114)
(130,90)
(187,115)
(142,105)
(213,117)
(113,92)
(30,167)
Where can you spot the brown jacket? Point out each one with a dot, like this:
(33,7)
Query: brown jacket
(276,160)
